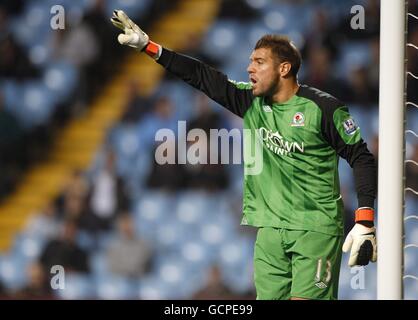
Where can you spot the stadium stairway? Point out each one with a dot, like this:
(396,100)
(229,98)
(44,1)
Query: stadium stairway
(76,145)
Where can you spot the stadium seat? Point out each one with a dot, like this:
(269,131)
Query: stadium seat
(150,211)
(410,259)
(60,78)
(77,286)
(410,287)
(192,207)
(28,247)
(98,263)
(115,287)
(132,8)
(236,261)
(222,39)
(37,104)
(12,93)
(353,55)
(153,288)
(179,278)
(13,271)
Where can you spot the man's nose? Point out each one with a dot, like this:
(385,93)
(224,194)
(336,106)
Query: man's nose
(250,69)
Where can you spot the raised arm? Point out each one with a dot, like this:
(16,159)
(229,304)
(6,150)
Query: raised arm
(236,97)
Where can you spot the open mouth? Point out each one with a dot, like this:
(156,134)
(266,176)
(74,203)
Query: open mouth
(253,80)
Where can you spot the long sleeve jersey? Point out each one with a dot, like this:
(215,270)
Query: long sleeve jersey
(301,140)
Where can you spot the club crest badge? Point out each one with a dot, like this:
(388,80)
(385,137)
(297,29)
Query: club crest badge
(298,120)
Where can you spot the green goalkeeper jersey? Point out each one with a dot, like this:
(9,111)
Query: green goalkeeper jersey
(301,141)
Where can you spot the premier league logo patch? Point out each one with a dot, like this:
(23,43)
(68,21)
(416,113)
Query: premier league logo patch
(298,120)
(350,126)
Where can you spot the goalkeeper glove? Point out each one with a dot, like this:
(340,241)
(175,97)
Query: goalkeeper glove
(362,239)
(133,36)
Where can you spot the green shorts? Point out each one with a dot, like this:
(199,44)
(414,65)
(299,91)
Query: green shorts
(295,263)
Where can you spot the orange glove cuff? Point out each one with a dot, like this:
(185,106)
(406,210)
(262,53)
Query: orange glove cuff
(152,49)
(364,214)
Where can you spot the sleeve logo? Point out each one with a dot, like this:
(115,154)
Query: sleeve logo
(350,126)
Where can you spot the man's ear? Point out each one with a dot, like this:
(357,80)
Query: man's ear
(284,69)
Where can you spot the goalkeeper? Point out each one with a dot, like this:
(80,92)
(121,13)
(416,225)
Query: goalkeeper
(295,201)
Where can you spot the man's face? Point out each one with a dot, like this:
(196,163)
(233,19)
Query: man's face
(264,72)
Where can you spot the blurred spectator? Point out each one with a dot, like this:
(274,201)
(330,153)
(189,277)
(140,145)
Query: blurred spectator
(319,72)
(13,7)
(237,9)
(108,194)
(373,67)
(322,34)
(128,255)
(14,63)
(411,171)
(161,116)
(361,89)
(11,134)
(38,286)
(166,177)
(214,288)
(78,45)
(3,23)
(205,117)
(412,66)
(43,223)
(374,147)
(97,20)
(64,251)
(137,105)
(77,187)
(3,292)
(11,149)
(207,176)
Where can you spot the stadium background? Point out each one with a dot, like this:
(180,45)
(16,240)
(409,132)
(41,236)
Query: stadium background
(78,116)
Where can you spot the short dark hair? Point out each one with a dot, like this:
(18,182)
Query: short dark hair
(283,49)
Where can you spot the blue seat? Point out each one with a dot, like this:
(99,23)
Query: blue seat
(153,288)
(179,278)
(410,260)
(410,288)
(77,286)
(60,78)
(98,263)
(37,104)
(126,143)
(33,26)
(221,40)
(12,93)
(135,9)
(411,230)
(411,205)
(170,234)
(353,55)
(192,207)
(13,271)
(151,211)
(115,287)
(236,260)
(197,254)
(28,247)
